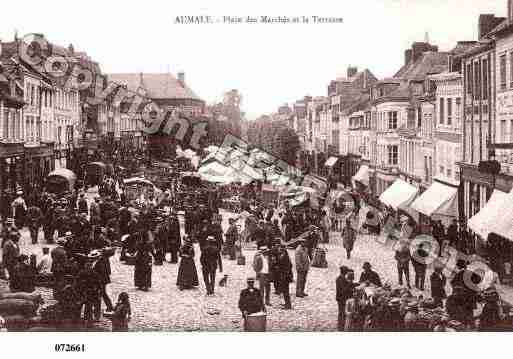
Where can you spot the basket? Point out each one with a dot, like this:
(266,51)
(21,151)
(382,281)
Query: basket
(256,322)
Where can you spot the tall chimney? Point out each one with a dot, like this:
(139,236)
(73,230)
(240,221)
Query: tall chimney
(181,77)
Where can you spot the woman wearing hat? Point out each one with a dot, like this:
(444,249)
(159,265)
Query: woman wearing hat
(187,273)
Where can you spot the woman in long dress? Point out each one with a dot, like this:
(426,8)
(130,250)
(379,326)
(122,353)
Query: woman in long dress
(187,273)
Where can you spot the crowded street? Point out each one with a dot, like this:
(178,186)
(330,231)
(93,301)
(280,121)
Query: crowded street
(356,199)
(165,307)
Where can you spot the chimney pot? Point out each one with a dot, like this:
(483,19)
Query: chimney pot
(351,71)
(181,77)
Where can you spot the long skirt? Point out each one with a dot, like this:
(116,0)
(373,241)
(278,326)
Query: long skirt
(142,276)
(187,274)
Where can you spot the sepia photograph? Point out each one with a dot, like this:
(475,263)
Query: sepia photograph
(214,167)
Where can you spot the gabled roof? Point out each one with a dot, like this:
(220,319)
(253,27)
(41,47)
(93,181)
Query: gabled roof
(428,63)
(158,85)
(503,25)
(478,47)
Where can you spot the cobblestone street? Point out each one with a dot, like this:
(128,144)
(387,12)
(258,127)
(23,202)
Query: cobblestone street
(165,307)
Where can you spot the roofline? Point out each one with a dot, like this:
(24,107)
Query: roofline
(482,47)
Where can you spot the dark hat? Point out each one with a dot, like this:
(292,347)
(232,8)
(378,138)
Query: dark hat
(250,279)
(344,269)
(460,263)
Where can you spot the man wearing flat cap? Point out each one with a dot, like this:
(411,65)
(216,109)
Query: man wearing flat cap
(250,300)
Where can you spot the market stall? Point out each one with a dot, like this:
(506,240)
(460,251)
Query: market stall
(61,181)
(439,202)
(139,188)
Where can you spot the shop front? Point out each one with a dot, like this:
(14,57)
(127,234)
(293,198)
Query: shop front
(39,161)
(383,178)
(353,163)
(476,189)
(12,158)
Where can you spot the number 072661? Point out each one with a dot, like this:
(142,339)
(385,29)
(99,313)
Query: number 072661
(70,347)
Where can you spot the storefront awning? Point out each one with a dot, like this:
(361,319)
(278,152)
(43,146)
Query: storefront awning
(437,199)
(504,226)
(331,162)
(362,175)
(482,223)
(399,195)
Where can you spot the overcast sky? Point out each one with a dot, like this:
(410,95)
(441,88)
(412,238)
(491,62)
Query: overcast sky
(269,63)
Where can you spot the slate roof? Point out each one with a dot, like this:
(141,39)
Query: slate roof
(428,63)
(157,85)
(462,47)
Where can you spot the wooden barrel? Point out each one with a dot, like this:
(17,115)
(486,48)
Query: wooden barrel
(256,322)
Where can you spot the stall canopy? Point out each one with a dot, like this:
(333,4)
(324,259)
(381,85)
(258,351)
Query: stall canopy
(62,175)
(399,195)
(438,199)
(362,175)
(503,226)
(483,222)
(330,162)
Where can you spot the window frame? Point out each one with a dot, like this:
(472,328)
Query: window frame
(503,63)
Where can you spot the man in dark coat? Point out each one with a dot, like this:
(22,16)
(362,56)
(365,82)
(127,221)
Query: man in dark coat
(124,220)
(439,235)
(174,241)
(102,269)
(210,257)
(368,275)
(302,267)
(250,300)
(161,235)
(284,275)
(49,221)
(89,287)
(24,276)
(10,252)
(453,234)
(59,261)
(232,236)
(34,219)
(438,281)
(82,204)
(344,291)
